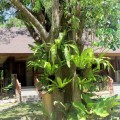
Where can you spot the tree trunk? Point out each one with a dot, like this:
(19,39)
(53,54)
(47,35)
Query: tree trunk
(47,100)
(58,101)
(76,90)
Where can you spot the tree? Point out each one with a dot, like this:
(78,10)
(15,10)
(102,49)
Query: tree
(59,25)
(13,22)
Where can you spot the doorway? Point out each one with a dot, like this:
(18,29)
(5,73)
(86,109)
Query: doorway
(20,70)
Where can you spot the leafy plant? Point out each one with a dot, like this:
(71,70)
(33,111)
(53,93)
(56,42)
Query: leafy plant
(58,84)
(59,54)
(8,87)
(103,107)
(100,108)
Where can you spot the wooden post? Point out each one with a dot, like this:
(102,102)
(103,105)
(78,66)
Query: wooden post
(110,84)
(18,89)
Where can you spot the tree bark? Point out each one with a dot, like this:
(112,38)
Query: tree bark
(55,20)
(76,90)
(47,100)
(58,101)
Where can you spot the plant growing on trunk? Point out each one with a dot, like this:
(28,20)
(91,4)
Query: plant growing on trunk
(58,84)
(85,77)
(58,26)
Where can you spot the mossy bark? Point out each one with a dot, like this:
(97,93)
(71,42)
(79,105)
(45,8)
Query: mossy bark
(76,90)
(58,101)
(47,100)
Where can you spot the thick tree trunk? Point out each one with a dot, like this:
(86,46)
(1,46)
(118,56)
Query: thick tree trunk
(47,100)
(58,107)
(76,90)
(65,95)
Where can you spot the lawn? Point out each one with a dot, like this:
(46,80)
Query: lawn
(23,111)
(116,112)
(6,105)
(34,111)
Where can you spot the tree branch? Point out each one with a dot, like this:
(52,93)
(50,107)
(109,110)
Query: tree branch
(31,17)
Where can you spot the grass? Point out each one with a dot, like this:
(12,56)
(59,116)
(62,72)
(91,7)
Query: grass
(115,115)
(23,111)
(118,98)
(6,105)
(34,111)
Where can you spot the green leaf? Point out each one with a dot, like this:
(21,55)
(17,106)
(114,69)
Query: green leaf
(101,112)
(86,97)
(59,81)
(54,68)
(67,55)
(103,106)
(75,59)
(74,48)
(52,88)
(75,21)
(66,81)
(79,106)
(53,51)
(82,111)
(58,42)
(54,83)
(47,67)
(60,39)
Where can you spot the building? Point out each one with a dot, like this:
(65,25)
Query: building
(89,37)
(114,60)
(14,53)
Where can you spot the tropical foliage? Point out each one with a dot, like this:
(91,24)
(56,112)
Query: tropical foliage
(61,29)
(85,76)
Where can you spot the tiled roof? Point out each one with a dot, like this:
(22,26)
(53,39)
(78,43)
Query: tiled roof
(87,39)
(15,40)
(117,51)
(102,49)
(106,51)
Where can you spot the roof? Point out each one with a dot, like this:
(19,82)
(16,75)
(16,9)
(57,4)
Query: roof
(109,51)
(106,51)
(15,40)
(88,39)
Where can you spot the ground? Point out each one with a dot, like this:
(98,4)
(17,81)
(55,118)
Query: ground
(116,112)
(34,110)
(23,111)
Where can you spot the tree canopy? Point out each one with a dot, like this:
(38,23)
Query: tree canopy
(97,17)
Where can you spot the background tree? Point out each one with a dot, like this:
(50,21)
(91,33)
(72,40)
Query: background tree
(58,25)
(13,22)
